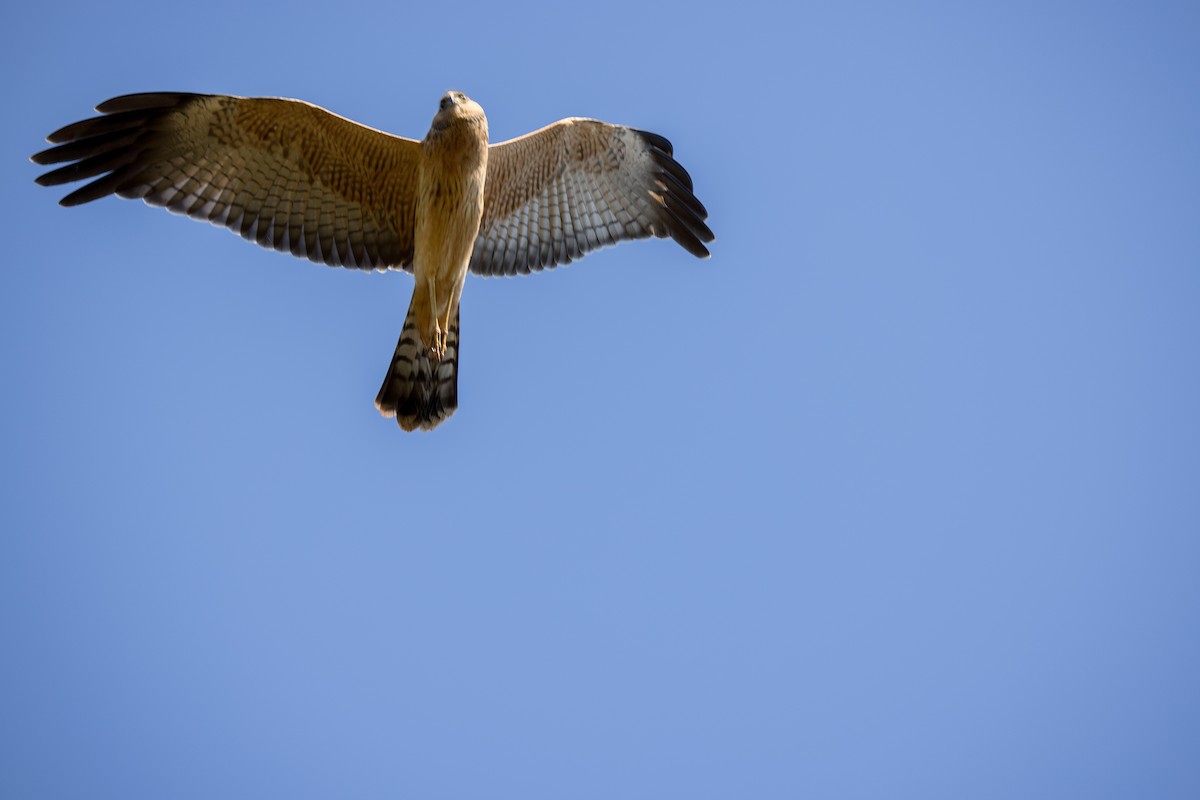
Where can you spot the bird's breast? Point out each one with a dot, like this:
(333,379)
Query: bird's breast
(449,201)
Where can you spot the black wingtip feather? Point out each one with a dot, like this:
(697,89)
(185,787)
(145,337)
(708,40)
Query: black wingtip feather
(101,187)
(676,170)
(90,167)
(82,148)
(96,126)
(686,214)
(684,194)
(106,143)
(689,230)
(661,142)
(145,101)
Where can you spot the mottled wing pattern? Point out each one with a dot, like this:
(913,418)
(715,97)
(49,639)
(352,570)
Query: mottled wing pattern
(283,173)
(555,194)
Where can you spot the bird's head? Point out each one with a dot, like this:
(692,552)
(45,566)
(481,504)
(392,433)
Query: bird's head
(457,107)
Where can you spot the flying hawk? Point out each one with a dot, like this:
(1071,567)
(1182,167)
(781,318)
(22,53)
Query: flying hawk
(295,177)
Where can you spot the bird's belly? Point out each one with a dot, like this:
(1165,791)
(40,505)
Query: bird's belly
(448,217)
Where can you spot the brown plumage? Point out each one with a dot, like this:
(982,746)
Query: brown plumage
(292,176)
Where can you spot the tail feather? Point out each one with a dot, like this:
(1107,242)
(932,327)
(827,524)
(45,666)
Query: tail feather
(420,391)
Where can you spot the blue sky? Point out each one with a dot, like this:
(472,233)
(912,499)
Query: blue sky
(894,496)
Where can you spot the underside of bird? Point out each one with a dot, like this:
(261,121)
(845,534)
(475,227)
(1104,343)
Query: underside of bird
(291,176)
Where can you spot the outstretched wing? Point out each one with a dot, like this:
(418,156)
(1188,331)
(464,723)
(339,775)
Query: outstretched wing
(283,173)
(555,194)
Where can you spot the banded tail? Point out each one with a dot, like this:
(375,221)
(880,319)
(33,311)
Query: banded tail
(419,390)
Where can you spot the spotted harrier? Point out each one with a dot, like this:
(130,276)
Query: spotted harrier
(295,177)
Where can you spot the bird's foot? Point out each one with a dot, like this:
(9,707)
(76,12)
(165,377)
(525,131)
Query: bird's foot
(437,344)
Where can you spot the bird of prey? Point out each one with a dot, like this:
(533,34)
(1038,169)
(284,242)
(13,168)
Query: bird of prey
(295,177)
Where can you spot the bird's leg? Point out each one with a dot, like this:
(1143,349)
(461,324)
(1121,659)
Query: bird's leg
(437,341)
(452,306)
(446,324)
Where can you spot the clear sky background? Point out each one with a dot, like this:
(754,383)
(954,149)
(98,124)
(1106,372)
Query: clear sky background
(895,496)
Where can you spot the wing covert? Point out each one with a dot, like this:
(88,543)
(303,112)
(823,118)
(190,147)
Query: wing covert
(556,194)
(283,173)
